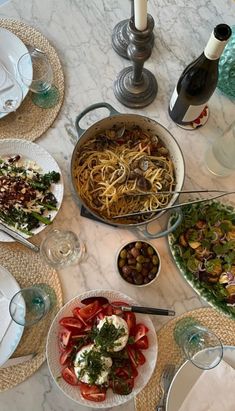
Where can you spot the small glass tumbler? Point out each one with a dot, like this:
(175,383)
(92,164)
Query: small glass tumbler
(11,94)
(200,345)
(220,156)
(45,94)
(30,305)
(226,80)
(61,248)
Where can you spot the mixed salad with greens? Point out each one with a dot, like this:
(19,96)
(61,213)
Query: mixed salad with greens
(26,197)
(204,248)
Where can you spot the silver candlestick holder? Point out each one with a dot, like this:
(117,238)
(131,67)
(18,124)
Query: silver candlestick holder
(135,86)
(121,34)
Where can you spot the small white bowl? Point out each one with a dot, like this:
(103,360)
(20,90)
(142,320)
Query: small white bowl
(145,276)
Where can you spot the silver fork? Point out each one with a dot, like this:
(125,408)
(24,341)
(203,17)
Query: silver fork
(166,378)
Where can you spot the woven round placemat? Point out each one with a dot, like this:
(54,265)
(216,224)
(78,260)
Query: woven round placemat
(28,269)
(169,352)
(29,121)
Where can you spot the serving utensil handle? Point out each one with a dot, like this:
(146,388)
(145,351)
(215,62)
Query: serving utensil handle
(92,107)
(149,310)
(144,229)
(19,238)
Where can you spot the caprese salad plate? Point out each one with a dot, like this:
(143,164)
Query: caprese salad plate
(99,355)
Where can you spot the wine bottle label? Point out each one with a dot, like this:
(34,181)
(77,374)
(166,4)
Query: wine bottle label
(191,113)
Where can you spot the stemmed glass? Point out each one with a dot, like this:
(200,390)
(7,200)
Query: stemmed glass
(11,94)
(31,304)
(61,248)
(200,345)
(45,94)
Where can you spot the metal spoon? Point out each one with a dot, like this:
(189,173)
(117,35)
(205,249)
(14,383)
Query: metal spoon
(130,308)
(19,238)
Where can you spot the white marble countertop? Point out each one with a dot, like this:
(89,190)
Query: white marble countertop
(81,32)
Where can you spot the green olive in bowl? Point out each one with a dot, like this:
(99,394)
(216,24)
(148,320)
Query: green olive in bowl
(138,263)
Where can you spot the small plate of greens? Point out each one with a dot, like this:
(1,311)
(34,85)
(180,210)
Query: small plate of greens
(203,247)
(31,187)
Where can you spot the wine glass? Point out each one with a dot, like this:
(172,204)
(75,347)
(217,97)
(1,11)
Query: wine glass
(200,345)
(61,248)
(11,94)
(45,95)
(31,304)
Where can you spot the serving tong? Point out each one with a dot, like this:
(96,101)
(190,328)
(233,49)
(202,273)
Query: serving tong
(139,213)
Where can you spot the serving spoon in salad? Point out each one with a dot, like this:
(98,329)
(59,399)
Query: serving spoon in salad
(129,308)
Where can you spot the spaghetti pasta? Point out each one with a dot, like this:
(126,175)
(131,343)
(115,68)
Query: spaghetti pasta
(110,171)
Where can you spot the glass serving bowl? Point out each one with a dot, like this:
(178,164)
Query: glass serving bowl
(226,81)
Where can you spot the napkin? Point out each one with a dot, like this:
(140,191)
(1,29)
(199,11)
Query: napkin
(5,317)
(213,391)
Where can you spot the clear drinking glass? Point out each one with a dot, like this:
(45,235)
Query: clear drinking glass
(45,95)
(220,156)
(61,248)
(200,345)
(11,94)
(30,305)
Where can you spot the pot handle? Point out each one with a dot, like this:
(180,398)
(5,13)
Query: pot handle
(164,233)
(80,130)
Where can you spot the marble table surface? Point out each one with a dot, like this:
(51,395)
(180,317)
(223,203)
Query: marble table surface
(81,32)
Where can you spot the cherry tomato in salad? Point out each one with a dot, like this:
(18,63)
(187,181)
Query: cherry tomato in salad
(131,322)
(136,356)
(140,331)
(71,323)
(65,356)
(64,337)
(123,387)
(90,310)
(69,376)
(76,314)
(142,343)
(92,392)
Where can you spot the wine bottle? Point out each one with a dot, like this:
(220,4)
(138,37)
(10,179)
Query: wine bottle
(199,79)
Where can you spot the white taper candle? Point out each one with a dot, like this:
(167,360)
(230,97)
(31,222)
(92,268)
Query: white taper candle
(140,14)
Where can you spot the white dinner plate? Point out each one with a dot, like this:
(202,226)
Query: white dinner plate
(10,341)
(11,49)
(186,377)
(36,153)
(53,353)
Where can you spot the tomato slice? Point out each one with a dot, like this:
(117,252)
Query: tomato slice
(76,314)
(71,323)
(65,356)
(126,372)
(116,310)
(69,376)
(136,356)
(140,331)
(90,300)
(142,343)
(131,322)
(123,387)
(64,337)
(92,392)
(90,310)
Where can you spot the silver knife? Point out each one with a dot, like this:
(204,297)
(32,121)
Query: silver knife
(18,237)
(17,360)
